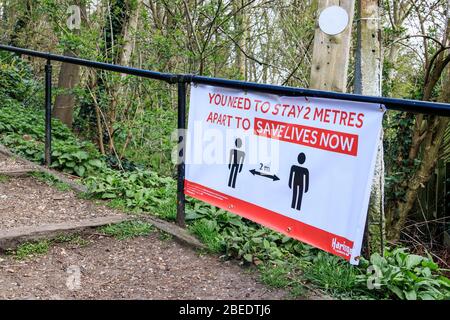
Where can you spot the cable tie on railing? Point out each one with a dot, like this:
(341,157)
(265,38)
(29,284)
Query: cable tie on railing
(185,78)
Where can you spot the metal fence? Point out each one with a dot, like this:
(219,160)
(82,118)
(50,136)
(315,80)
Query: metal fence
(182,80)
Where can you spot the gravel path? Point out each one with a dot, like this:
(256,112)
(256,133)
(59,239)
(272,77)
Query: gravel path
(140,268)
(25,201)
(10,164)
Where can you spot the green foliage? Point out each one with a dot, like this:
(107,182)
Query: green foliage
(405,276)
(285,262)
(23,131)
(207,232)
(241,238)
(138,191)
(151,144)
(397,143)
(282,261)
(28,249)
(164,236)
(287,275)
(73,159)
(127,229)
(333,274)
(51,181)
(16,82)
(74,239)
(276,276)
(3,178)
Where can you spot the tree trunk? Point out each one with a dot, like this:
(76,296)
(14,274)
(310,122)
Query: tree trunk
(128,35)
(430,145)
(368,76)
(428,134)
(69,78)
(331,53)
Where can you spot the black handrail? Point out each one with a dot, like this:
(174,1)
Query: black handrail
(168,77)
(416,106)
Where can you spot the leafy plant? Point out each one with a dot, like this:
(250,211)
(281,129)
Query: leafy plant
(73,159)
(275,276)
(16,80)
(23,131)
(405,276)
(138,191)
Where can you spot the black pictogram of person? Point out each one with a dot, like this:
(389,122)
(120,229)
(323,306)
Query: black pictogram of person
(298,182)
(236,162)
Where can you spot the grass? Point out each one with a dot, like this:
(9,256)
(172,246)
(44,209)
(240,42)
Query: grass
(28,249)
(333,275)
(283,276)
(166,210)
(127,229)
(164,236)
(276,276)
(33,248)
(208,234)
(3,178)
(74,239)
(51,181)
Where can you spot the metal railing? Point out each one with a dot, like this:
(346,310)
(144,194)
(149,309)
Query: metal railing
(415,106)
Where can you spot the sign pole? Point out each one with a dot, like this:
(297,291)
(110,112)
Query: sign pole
(181,221)
(48,113)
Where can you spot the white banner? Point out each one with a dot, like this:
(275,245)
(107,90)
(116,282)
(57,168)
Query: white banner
(298,165)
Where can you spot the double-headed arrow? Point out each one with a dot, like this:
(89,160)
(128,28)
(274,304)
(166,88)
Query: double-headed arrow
(273,177)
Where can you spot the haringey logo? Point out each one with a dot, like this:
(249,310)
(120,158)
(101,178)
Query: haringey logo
(341,247)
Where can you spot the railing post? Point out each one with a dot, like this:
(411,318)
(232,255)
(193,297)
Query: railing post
(48,113)
(181,151)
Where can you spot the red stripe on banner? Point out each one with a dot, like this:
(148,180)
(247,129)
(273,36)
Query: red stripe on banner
(329,140)
(316,237)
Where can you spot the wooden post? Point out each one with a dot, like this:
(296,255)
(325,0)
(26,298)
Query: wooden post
(331,53)
(368,76)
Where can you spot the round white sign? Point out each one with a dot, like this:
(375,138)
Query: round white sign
(333,20)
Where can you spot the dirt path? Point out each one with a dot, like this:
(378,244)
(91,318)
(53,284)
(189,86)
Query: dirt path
(10,164)
(140,268)
(25,201)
